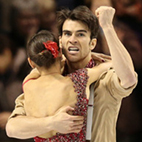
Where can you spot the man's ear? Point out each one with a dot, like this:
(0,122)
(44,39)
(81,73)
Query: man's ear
(93,43)
(32,64)
(60,41)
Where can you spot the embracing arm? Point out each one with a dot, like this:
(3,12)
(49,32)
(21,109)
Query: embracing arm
(24,127)
(121,59)
(95,72)
(21,126)
(100,57)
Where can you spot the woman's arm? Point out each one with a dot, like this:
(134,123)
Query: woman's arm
(95,72)
(100,57)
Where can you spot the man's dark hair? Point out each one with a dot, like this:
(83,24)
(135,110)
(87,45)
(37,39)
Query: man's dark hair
(80,13)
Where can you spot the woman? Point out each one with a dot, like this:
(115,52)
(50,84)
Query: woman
(46,90)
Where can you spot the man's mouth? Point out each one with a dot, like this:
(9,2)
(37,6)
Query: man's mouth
(73,49)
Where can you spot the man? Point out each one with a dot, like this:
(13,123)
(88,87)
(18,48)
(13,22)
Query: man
(78,30)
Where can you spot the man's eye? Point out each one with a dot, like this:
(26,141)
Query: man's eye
(67,34)
(80,34)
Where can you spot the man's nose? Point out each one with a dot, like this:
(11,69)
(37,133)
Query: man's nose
(73,39)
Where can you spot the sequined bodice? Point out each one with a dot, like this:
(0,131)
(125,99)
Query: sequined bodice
(79,78)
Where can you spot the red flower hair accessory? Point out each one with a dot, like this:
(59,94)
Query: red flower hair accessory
(53,47)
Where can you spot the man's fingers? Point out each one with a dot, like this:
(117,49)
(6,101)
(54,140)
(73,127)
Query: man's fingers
(76,129)
(77,125)
(76,118)
(66,109)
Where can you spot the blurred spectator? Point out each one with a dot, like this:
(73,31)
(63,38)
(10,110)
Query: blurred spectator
(4,15)
(129,11)
(94,4)
(10,86)
(24,22)
(71,4)
(0,16)
(48,16)
(132,40)
(128,8)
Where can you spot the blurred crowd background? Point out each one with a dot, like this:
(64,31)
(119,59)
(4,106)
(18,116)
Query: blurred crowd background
(20,19)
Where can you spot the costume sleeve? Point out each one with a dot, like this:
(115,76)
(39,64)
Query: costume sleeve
(112,84)
(19,107)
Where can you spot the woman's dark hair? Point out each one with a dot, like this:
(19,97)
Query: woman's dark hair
(80,13)
(36,50)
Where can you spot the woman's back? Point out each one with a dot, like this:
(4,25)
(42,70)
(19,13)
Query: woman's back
(48,94)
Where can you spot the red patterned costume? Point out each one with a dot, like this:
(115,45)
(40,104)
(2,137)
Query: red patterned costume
(79,78)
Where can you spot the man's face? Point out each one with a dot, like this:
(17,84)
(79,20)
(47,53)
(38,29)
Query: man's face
(76,42)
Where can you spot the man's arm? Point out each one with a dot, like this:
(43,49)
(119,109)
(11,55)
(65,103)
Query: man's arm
(21,126)
(121,59)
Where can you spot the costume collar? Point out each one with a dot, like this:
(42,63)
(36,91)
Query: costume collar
(89,65)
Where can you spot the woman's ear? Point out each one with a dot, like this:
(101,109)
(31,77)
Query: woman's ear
(60,53)
(32,64)
(93,43)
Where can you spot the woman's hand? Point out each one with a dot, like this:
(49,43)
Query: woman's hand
(100,57)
